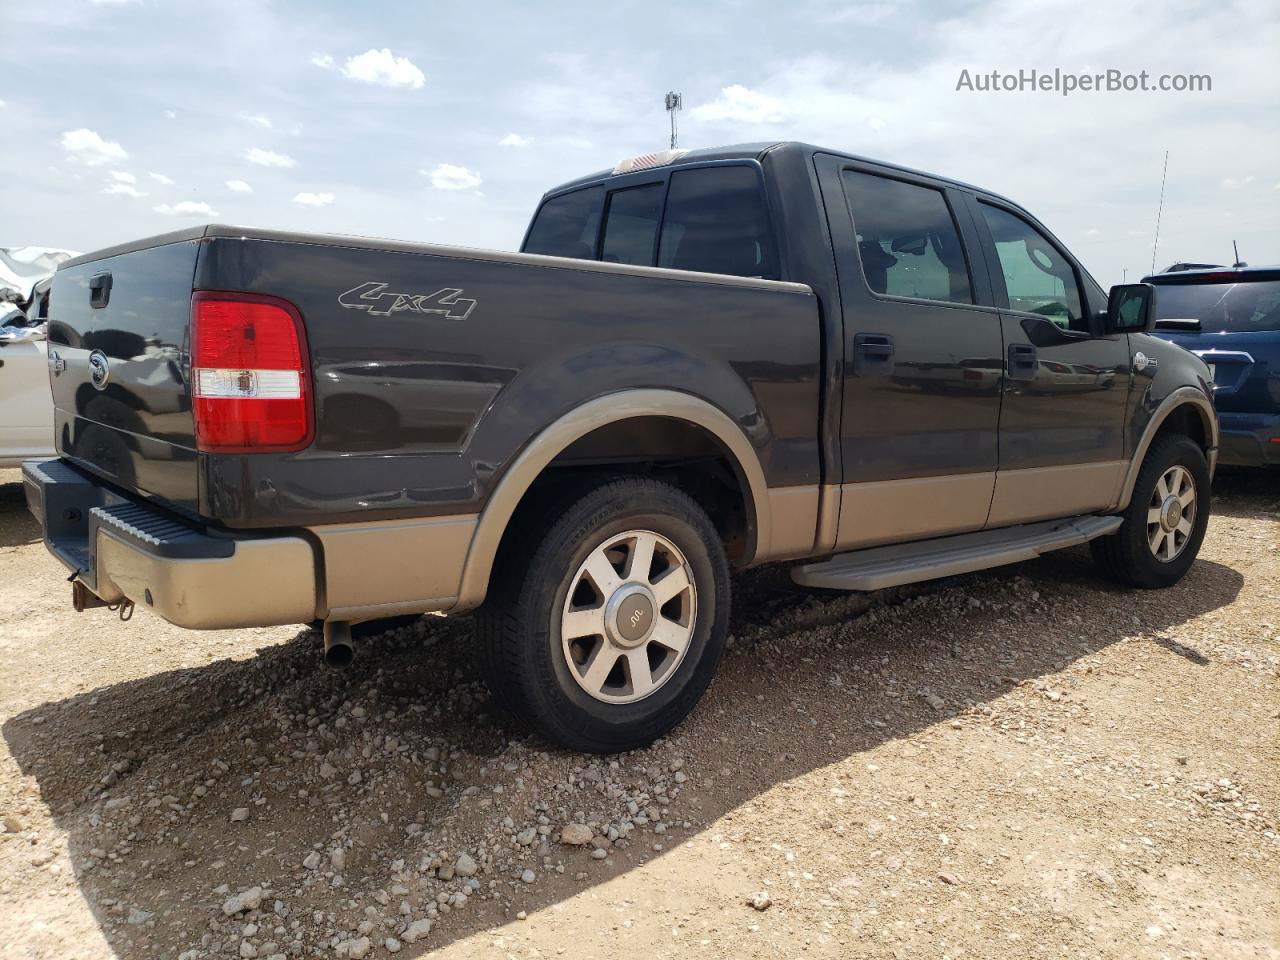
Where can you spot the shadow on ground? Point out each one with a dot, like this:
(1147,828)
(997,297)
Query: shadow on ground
(259,728)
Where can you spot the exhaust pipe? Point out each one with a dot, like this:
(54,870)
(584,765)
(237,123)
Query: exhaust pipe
(338,651)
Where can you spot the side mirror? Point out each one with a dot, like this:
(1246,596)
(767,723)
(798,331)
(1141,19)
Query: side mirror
(1129,308)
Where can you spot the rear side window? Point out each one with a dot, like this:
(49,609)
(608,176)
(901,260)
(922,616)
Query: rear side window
(1221,307)
(907,239)
(632,225)
(1037,277)
(566,226)
(717,222)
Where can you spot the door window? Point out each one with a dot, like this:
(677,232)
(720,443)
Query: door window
(631,225)
(907,239)
(1038,278)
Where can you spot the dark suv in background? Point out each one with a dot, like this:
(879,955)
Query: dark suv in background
(1230,318)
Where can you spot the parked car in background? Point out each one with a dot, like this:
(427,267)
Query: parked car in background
(26,402)
(1230,318)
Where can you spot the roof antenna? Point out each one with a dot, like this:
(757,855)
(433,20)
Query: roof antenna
(674,102)
(1160,210)
(1239,263)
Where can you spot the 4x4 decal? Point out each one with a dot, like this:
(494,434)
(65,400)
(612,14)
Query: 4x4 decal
(373,297)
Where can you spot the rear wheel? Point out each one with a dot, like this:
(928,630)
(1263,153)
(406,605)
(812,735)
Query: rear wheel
(607,615)
(1165,521)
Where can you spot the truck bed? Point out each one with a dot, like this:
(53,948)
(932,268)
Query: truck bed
(431,367)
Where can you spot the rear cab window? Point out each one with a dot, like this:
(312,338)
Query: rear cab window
(566,226)
(712,219)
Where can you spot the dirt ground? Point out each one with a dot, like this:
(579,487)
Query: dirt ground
(1026,763)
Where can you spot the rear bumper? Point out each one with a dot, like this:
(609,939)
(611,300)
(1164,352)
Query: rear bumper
(123,549)
(1249,439)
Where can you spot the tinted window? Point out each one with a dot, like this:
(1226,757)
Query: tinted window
(631,225)
(1234,307)
(1038,278)
(716,222)
(566,225)
(907,239)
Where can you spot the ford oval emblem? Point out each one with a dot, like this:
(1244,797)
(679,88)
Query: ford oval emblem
(99,369)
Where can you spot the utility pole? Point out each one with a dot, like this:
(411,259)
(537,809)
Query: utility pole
(674,102)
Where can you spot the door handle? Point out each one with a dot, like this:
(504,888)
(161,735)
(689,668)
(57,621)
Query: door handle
(100,289)
(872,355)
(1023,363)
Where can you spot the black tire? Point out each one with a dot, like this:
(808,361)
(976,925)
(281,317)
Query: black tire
(1127,554)
(518,628)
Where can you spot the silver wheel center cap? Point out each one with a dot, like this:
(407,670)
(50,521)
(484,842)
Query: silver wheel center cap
(1170,513)
(629,615)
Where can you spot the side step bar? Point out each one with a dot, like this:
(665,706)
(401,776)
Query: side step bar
(892,566)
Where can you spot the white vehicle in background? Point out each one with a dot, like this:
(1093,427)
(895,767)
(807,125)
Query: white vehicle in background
(26,402)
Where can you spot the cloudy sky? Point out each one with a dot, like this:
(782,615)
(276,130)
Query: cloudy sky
(444,121)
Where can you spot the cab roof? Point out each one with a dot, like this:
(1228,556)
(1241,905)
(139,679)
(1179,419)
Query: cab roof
(757,151)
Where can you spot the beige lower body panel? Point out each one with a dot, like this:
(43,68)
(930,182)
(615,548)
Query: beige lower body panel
(891,511)
(1046,493)
(793,522)
(264,583)
(391,567)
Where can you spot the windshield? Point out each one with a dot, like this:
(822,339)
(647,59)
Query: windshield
(1222,307)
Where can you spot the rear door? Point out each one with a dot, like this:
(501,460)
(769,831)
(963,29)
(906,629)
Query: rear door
(1066,385)
(922,361)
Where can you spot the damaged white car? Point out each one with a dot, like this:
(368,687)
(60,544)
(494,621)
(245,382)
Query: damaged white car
(26,404)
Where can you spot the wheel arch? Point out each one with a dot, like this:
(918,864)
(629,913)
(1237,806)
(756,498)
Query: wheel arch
(1186,410)
(534,460)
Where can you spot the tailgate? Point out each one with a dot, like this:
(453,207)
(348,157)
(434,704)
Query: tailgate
(118,368)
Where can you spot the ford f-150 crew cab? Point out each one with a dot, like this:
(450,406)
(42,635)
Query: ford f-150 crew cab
(700,361)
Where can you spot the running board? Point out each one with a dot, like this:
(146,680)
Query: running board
(892,566)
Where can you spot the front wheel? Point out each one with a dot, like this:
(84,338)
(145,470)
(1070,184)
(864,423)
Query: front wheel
(607,615)
(1165,521)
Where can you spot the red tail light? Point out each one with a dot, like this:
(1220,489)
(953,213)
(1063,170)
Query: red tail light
(250,379)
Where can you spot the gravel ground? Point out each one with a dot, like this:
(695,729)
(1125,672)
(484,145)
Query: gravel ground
(1027,763)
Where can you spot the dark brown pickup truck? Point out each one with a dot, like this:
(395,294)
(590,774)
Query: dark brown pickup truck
(700,361)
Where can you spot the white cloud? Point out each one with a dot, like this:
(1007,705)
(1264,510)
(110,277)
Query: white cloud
(875,123)
(322,60)
(1231,183)
(258,120)
(239,186)
(741,105)
(119,176)
(124,189)
(3,104)
(90,149)
(514,140)
(170,115)
(267,158)
(863,13)
(314,199)
(161,178)
(188,208)
(448,176)
(384,68)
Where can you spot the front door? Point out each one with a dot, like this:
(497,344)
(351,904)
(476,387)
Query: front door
(1066,384)
(922,363)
